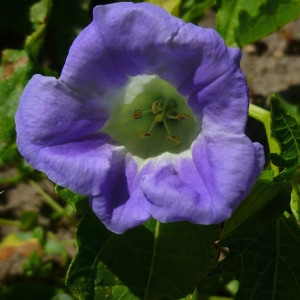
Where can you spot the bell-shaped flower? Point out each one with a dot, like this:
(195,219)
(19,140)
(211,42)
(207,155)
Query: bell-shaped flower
(147,119)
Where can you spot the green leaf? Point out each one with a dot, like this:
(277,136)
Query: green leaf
(194,10)
(14,72)
(286,131)
(29,290)
(241,22)
(39,13)
(265,203)
(33,266)
(29,219)
(77,202)
(210,287)
(295,200)
(172,6)
(291,103)
(265,261)
(148,262)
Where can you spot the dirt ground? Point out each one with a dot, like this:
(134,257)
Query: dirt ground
(271,65)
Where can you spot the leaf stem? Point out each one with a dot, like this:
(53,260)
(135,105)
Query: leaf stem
(264,116)
(6,222)
(11,180)
(49,200)
(156,234)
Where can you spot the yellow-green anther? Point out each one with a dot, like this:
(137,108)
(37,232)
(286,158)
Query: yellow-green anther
(173,139)
(182,117)
(155,106)
(145,134)
(179,117)
(159,117)
(162,111)
(136,114)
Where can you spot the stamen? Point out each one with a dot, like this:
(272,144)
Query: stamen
(145,135)
(166,125)
(162,111)
(170,137)
(179,117)
(148,133)
(173,139)
(155,106)
(137,114)
(182,117)
(159,117)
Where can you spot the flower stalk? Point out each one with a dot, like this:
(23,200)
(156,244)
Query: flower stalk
(264,116)
(48,199)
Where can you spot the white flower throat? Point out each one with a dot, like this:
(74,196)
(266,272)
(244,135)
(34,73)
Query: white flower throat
(151,118)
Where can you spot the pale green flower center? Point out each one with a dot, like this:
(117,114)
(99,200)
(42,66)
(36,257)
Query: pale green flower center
(151,118)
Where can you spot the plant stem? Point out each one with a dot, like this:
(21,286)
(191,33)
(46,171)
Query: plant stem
(49,200)
(264,116)
(156,234)
(11,180)
(6,222)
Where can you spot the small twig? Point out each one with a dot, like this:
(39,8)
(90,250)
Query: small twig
(11,180)
(6,222)
(49,200)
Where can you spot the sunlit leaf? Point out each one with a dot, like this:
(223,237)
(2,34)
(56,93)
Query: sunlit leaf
(14,72)
(77,202)
(286,131)
(15,249)
(242,22)
(39,13)
(172,6)
(265,203)
(295,200)
(194,10)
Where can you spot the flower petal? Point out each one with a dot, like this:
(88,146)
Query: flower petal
(151,41)
(229,164)
(194,59)
(207,187)
(222,101)
(146,41)
(121,204)
(172,193)
(57,134)
(90,68)
(59,121)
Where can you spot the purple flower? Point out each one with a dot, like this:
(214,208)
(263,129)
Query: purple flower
(147,119)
